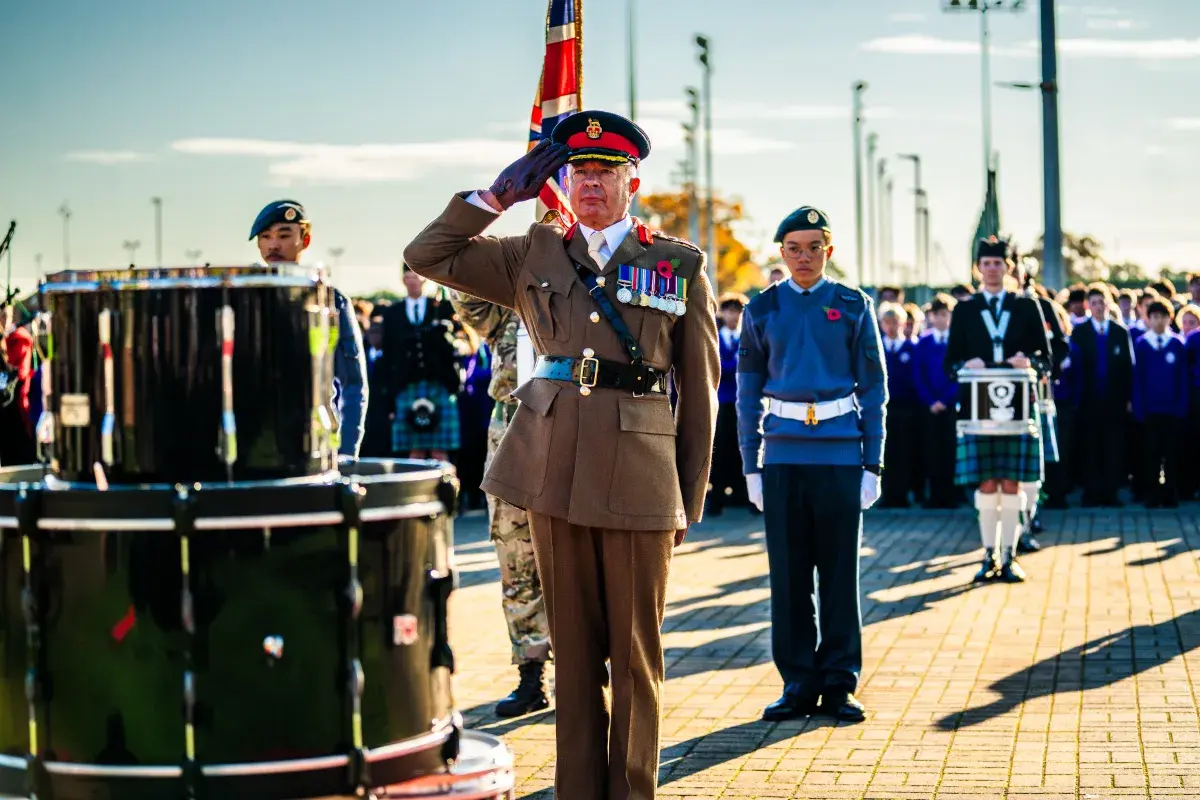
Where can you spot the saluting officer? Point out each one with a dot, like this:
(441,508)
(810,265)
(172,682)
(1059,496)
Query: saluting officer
(610,478)
(811,346)
(284,231)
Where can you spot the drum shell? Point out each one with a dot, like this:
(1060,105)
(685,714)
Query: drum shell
(167,380)
(114,648)
(997,402)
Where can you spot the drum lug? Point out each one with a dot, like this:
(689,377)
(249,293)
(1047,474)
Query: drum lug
(447,492)
(439,588)
(453,743)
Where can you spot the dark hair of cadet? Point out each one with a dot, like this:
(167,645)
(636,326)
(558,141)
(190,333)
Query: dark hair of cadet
(942,302)
(1159,307)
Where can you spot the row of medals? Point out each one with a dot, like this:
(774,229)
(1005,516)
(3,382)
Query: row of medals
(669,303)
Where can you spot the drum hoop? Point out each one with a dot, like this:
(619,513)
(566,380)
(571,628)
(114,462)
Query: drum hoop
(152,284)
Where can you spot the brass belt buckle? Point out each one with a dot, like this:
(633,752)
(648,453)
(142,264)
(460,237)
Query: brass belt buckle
(584,364)
(811,419)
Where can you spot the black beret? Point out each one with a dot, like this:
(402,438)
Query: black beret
(279,211)
(993,247)
(601,136)
(805,218)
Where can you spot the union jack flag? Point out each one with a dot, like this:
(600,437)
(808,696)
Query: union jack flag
(560,92)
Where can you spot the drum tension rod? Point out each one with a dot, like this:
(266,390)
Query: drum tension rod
(184,512)
(28,511)
(350,500)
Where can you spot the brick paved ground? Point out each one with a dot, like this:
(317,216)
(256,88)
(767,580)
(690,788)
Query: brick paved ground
(1077,684)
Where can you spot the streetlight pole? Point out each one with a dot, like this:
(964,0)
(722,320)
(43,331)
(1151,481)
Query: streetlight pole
(919,255)
(157,201)
(336,253)
(858,89)
(131,247)
(985,50)
(1053,273)
(711,237)
(891,226)
(64,211)
(694,162)
(872,142)
(884,220)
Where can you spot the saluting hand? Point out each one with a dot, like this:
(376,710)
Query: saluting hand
(524,178)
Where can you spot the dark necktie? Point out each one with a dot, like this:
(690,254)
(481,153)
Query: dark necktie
(994,304)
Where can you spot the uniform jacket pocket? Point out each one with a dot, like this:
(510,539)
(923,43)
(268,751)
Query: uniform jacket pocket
(547,298)
(645,479)
(521,460)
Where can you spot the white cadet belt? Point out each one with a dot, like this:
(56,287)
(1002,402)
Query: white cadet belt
(812,413)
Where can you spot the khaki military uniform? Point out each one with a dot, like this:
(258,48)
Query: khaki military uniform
(524,606)
(607,477)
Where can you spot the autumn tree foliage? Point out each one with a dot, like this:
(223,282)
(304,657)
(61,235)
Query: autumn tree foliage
(737,269)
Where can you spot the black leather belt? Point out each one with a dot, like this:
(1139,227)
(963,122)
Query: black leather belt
(597,373)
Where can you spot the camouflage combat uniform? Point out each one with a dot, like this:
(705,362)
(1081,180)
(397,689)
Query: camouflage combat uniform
(524,607)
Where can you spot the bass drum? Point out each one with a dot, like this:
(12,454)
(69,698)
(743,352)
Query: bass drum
(278,640)
(184,375)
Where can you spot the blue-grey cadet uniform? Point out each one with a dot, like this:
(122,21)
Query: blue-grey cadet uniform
(810,361)
(350,393)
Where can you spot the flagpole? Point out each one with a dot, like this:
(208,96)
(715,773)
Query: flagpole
(632,66)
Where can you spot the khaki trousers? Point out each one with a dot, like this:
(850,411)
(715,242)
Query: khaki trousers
(605,595)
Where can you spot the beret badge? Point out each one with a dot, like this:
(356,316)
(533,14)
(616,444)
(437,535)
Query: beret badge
(290,214)
(813,216)
(594,130)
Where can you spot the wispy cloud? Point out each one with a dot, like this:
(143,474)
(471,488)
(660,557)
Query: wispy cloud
(1152,49)
(1106,24)
(745,110)
(921,45)
(1146,49)
(1185,124)
(297,162)
(667,134)
(106,157)
(359,163)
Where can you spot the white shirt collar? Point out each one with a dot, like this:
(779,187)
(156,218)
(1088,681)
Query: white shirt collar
(1101,325)
(941,337)
(797,287)
(987,296)
(894,344)
(613,235)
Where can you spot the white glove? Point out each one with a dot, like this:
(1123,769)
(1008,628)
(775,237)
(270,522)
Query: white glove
(870,489)
(754,489)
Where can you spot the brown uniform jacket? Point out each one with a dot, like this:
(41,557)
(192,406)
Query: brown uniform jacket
(609,459)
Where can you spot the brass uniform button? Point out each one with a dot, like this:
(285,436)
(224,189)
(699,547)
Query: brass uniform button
(600,282)
(585,390)
(594,316)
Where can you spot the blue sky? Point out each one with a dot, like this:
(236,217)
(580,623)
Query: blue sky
(372,113)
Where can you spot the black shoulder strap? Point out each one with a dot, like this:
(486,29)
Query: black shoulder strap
(628,340)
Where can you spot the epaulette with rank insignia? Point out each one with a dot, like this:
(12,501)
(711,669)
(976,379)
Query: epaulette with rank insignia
(677,240)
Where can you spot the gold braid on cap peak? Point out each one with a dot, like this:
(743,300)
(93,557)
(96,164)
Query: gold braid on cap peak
(599,157)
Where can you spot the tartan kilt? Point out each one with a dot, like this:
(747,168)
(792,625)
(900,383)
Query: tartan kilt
(985,458)
(447,434)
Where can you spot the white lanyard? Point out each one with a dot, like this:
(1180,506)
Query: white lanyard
(997,333)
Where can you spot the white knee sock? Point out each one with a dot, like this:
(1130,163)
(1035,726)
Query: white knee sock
(1011,506)
(1031,492)
(988,506)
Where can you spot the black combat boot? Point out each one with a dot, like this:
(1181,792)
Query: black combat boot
(988,569)
(1010,570)
(530,694)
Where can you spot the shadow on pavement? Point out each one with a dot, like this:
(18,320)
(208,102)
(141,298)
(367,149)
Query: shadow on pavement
(1100,662)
